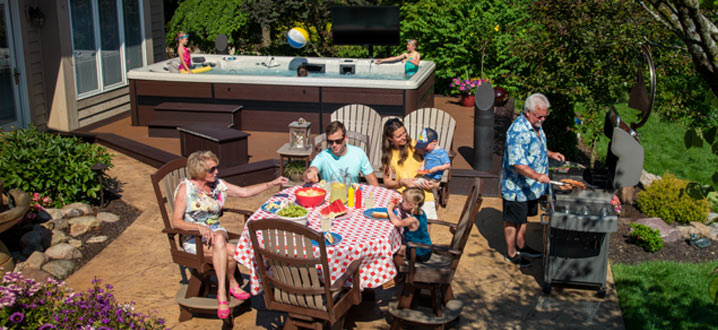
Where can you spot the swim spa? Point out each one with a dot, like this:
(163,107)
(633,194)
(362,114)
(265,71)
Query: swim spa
(270,93)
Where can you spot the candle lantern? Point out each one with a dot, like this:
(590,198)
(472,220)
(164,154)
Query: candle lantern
(299,134)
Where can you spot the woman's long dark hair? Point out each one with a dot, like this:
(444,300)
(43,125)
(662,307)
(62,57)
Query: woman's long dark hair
(386,147)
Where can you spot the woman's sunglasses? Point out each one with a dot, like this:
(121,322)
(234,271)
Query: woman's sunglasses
(184,36)
(213,168)
(392,121)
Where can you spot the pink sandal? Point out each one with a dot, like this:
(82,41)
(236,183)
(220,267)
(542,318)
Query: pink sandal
(222,313)
(238,293)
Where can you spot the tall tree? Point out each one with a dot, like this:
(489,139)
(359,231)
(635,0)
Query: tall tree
(693,25)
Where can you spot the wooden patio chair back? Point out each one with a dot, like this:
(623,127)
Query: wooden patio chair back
(287,267)
(354,138)
(468,214)
(365,120)
(438,119)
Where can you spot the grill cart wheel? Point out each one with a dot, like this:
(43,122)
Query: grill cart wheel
(601,293)
(546,289)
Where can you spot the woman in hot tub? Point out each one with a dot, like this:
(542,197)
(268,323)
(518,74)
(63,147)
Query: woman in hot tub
(411,58)
(198,205)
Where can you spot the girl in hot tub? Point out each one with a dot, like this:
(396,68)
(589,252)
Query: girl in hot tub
(184,58)
(411,58)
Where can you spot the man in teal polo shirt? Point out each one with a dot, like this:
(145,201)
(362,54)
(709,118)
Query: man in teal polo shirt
(339,158)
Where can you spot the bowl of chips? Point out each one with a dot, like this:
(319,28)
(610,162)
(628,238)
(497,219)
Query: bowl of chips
(310,196)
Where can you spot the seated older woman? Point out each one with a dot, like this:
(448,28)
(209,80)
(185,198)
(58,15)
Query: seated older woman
(198,206)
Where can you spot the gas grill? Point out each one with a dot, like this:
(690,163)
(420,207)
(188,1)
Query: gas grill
(578,224)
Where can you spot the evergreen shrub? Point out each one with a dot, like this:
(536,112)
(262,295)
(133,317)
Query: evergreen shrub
(668,200)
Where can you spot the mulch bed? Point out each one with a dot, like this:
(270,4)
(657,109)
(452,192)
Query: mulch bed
(624,252)
(127,214)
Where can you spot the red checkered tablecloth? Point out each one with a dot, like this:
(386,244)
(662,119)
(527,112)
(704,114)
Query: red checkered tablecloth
(375,241)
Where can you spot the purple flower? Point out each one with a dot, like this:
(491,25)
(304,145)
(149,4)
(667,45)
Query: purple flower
(47,326)
(8,300)
(17,317)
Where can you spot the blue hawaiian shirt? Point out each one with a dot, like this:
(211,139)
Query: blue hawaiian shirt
(523,147)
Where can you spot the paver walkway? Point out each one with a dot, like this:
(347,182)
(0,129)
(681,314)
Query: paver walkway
(496,294)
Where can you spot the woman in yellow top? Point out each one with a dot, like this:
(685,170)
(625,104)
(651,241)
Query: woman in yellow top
(400,164)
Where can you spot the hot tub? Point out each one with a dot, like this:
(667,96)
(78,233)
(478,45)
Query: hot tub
(272,96)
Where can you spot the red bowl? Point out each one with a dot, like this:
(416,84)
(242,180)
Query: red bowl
(310,201)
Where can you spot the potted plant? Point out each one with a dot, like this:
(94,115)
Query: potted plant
(465,88)
(294,170)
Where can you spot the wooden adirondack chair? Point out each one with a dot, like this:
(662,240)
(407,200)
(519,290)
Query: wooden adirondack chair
(365,120)
(292,282)
(444,125)
(356,139)
(191,297)
(437,273)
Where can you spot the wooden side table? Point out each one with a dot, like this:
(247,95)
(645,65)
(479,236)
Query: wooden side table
(287,154)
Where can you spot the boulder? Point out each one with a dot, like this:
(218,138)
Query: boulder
(60,269)
(107,217)
(90,222)
(36,240)
(36,274)
(703,230)
(55,214)
(49,225)
(78,229)
(647,178)
(712,216)
(96,239)
(668,233)
(58,237)
(625,194)
(686,231)
(36,260)
(75,242)
(63,251)
(76,209)
(713,231)
(60,224)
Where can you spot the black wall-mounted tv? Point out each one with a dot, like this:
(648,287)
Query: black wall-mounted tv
(365,25)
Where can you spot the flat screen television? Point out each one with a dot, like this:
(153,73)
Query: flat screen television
(365,25)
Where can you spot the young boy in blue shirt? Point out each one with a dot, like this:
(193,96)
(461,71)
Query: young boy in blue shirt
(436,159)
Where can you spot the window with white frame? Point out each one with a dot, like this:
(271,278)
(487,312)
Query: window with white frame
(106,41)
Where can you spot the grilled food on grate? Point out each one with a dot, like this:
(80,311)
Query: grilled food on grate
(574,183)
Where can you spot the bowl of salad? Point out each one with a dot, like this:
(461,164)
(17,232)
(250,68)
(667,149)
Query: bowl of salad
(293,212)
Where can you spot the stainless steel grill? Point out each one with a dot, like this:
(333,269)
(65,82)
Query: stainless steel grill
(578,224)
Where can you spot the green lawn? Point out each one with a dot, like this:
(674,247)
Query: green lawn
(666,295)
(664,150)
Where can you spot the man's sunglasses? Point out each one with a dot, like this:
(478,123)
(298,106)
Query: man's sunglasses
(333,142)
(213,168)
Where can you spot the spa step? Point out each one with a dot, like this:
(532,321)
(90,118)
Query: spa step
(198,112)
(168,128)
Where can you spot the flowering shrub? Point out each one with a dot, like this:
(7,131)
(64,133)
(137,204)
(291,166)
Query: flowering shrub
(37,204)
(616,203)
(465,86)
(27,304)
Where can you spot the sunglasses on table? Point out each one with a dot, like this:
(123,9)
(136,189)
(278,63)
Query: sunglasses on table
(333,142)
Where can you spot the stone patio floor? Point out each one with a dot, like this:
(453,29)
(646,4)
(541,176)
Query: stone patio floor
(496,294)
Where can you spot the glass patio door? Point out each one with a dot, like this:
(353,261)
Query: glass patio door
(10,110)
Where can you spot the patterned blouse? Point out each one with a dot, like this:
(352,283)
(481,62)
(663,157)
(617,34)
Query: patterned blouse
(523,147)
(204,207)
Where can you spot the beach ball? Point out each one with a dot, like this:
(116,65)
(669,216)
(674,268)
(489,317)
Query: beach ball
(297,37)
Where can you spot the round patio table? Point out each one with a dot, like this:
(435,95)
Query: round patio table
(375,241)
